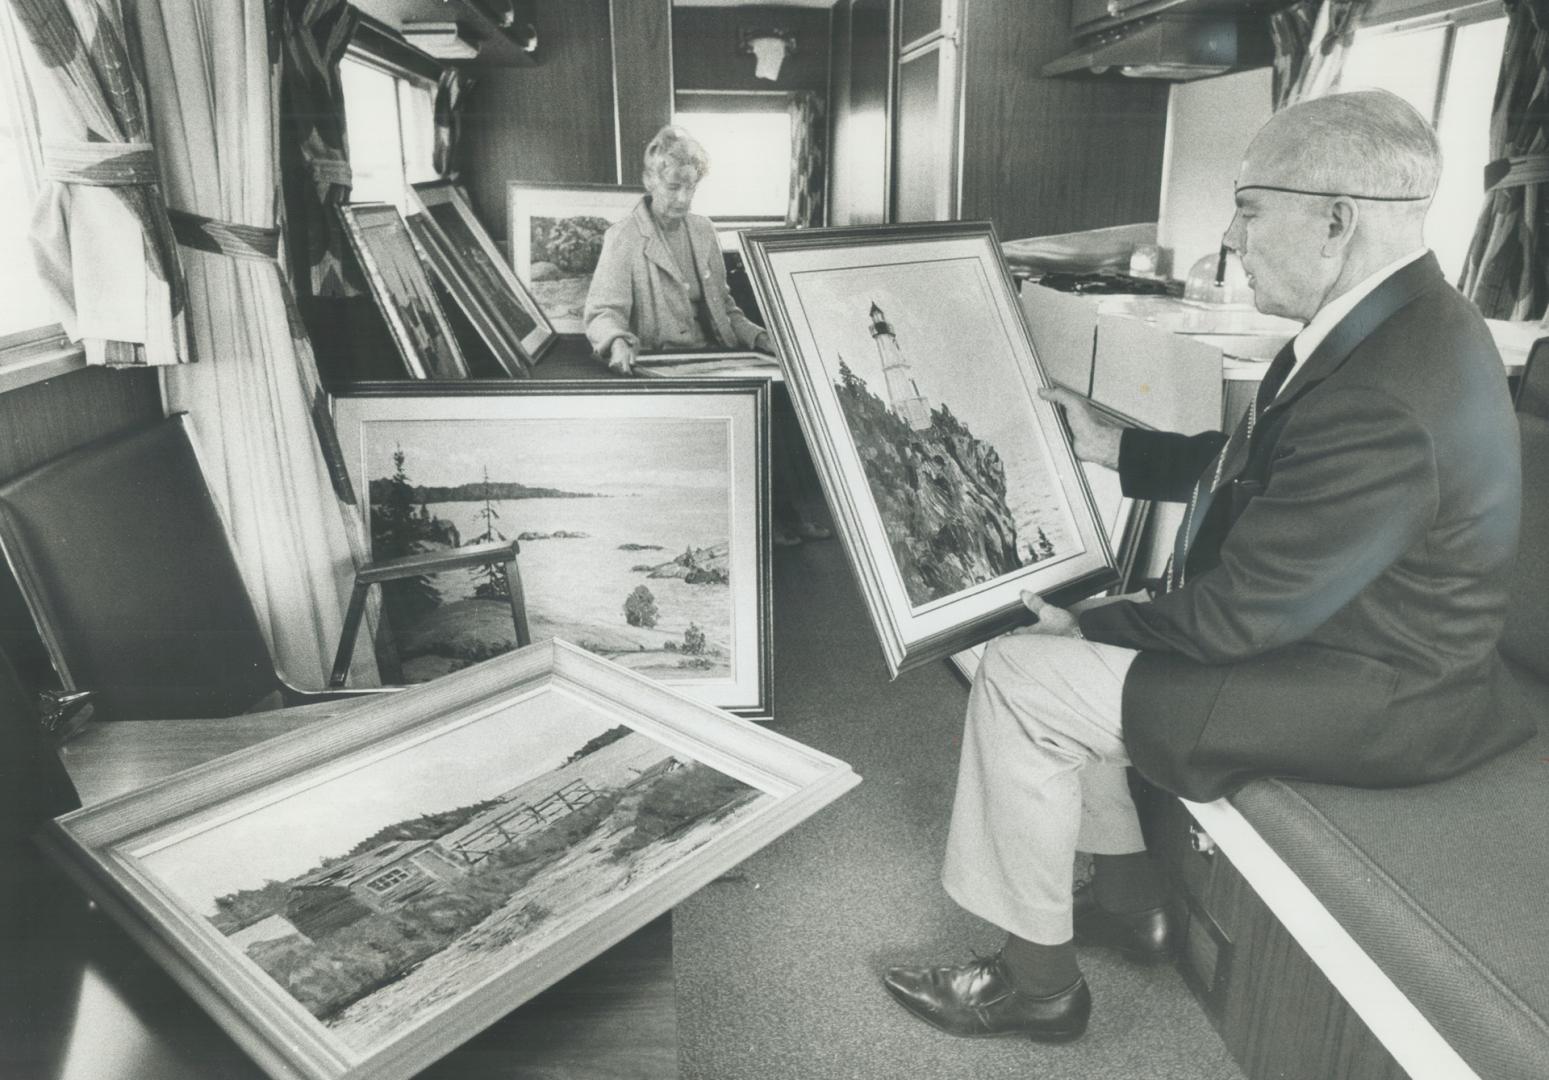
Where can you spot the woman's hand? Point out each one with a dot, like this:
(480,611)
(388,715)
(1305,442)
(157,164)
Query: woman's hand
(621,356)
(1094,437)
(762,343)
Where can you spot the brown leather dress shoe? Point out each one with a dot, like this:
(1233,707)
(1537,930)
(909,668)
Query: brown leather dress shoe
(1144,937)
(978,1000)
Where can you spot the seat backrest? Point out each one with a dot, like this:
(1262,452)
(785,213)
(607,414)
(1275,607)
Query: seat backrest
(1526,639)
(125,564)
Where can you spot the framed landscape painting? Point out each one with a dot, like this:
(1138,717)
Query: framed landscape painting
(402,291)
(952,483)
(355,899)
(555,231)
(474,272)
(641,510)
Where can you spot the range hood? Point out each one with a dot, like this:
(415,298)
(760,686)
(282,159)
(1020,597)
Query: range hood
(1171,46)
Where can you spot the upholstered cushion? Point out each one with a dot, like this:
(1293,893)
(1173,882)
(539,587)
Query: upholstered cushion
(1444,886)
(1527,620)
(124,560)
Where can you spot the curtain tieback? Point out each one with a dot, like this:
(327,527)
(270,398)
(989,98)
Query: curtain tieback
(331,170)
(100,164)
(225,237)
(1510,172)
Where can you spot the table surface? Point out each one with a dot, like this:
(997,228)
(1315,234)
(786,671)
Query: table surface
(79,1001)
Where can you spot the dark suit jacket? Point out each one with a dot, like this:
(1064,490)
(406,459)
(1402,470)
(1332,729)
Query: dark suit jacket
(1342,602)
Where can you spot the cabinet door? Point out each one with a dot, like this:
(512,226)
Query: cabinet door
(925,159)
(917,19)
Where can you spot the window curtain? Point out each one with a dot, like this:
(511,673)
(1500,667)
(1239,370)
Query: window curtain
(314,157)
(809,172)
(1312,39)
(1504,272)
(100,233)
(255,400)
(451,95)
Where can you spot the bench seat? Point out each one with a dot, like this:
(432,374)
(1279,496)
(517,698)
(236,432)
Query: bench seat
(1444,886)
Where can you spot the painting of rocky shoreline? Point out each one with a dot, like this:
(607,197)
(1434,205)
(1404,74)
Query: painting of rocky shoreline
(624,535)
(964,490)
(377,898)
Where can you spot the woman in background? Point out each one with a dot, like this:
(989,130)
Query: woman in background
(661,284)
(660,281)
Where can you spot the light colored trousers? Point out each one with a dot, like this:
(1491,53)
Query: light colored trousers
(1041,777)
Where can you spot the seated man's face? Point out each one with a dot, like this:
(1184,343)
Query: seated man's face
(1280,236)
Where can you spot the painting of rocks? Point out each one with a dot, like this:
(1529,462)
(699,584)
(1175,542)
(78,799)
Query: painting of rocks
(556,235)
(917,357)
(378,897)
(624,529)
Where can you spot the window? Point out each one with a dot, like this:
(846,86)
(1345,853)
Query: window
(1446,68)
(748,138)
(387,879)
(391,119)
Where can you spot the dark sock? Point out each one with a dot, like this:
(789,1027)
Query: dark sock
(1125,884)
(1040,970)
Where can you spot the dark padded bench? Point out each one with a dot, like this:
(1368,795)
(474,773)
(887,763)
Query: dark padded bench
(1446,886)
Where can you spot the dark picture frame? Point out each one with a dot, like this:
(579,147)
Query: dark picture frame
(395,270)
(641,509)
(361,896)
(476,275)
(954,486)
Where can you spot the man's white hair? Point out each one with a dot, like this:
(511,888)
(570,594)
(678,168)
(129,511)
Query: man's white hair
(1366,142)
(674,148)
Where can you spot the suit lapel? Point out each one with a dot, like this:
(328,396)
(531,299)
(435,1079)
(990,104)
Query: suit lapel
(1385,301)
(654,247)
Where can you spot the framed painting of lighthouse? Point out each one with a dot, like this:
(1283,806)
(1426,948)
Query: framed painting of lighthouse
(953,484)
(356,899)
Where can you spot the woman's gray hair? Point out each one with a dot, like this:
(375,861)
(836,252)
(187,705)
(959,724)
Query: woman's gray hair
(674,148)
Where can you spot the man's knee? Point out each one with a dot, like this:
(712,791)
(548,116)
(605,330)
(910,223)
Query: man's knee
(1015,660)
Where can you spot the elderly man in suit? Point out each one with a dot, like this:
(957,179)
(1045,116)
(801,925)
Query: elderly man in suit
(1334,601)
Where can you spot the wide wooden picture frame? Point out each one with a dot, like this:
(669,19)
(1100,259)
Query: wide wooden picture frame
(953,485)
(355,899)
(641,510)
(555,232)
(402,291)
(499,306)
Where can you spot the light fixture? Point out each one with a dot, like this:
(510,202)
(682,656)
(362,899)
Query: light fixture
(444,39)
(769,48)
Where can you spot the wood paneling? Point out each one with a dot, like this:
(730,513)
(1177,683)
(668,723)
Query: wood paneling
(861,58)
(1044,155)
(642,65)
(553,121)
(705,55)
(40,422)
(1275,1010)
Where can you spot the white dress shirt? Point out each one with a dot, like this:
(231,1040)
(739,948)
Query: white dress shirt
(1329,315)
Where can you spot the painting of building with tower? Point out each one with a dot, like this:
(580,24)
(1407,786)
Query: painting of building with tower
(940,489)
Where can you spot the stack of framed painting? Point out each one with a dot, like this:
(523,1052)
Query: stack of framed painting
(641,510)
(392,264)
(471,268)
(354,900)
(953,484)
(555,232)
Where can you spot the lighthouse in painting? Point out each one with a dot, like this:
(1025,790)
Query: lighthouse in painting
(903,394)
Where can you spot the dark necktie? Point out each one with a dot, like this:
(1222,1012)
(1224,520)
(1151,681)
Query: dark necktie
(1199,506)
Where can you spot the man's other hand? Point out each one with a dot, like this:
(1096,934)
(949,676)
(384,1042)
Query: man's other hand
(1048,620)
(1095,437)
